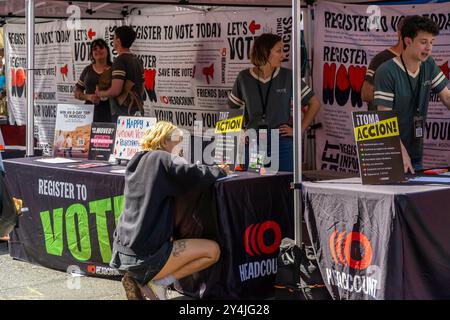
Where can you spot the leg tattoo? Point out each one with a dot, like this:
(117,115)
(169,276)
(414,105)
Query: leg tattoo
(178,247)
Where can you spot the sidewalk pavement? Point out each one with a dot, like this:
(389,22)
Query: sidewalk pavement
(24,281)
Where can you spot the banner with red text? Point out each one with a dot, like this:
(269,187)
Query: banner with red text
(347,38)
(192,60)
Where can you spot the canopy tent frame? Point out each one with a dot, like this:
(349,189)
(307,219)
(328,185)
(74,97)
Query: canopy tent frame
(296,53)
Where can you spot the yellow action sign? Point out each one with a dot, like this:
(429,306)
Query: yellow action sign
(229,125)
(383,129)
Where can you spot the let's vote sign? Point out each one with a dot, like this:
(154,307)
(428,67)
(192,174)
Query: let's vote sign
(378,143)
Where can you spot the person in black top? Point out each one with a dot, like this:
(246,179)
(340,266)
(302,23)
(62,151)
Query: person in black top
(127,77)
(90,77)
(143,245)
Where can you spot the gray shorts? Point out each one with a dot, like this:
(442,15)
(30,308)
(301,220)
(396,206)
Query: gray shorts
(142,269)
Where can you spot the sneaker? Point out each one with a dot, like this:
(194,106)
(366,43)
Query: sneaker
(160,292)
(132,289)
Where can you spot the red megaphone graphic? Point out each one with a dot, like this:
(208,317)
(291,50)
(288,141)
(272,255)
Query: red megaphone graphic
(445,69)
(253,27)
(91,34)
(64,71)
(209,72)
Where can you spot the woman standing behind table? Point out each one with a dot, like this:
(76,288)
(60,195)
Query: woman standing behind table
(144,248)
(90,78)
(265,93)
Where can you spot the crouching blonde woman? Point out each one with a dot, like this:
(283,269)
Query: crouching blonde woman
(143,247)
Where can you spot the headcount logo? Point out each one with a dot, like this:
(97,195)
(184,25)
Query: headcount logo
(344,82)
(102,271)
(178,101)
(343,241)
(352,250)
(261,239)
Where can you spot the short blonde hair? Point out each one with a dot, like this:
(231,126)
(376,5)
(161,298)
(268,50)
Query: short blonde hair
(162,131)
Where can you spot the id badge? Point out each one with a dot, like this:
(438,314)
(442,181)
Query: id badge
(418,127)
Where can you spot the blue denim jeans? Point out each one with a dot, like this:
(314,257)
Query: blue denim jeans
(286,154)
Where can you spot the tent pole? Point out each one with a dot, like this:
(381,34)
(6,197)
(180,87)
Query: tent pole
(296,104)
(30,79)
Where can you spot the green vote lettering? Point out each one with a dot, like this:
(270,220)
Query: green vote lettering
(77,228)
(118,206)
(99,208)
(83,252)
(53,235)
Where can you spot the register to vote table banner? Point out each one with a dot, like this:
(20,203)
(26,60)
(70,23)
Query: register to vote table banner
(71,216)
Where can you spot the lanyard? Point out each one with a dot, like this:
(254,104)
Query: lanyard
(410,85)
(264,103)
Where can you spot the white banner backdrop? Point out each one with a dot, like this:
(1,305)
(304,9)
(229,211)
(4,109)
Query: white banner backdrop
(60,56)
(347,37)
(191,60)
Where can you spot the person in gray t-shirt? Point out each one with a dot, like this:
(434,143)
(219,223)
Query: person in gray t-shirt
(127,66)
(265,94)
(403,85)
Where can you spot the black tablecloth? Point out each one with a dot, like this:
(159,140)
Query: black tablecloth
(381,242)
(72,214)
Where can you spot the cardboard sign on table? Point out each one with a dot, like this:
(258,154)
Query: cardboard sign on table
(72,130)
(129,132)
(378,145)
(227,137)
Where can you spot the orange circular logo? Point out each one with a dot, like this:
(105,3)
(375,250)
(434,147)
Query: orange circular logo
(341,246)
